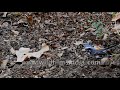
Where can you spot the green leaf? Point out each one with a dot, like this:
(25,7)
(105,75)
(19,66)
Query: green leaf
(99,27)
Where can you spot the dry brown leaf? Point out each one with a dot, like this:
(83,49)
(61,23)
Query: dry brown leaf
(29,19)
(63,48)
(4,14)
(103,60)
(90,29)
(39,53)
(117,27)
(78,42)
(48,54)
(5,25)
(60,54)
(15,32)
(12,51)
(81,35)
(116,17)
(4,63)
(105,36)
(24,53)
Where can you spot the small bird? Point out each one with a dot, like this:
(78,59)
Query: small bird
(93,51)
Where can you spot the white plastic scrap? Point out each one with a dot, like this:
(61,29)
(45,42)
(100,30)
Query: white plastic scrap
(24,53)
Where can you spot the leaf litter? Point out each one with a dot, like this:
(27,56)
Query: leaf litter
(76,29)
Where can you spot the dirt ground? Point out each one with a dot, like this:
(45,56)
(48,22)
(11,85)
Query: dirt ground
(60,31)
